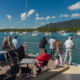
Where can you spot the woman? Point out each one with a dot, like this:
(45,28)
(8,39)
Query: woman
(10,42)
(59,51)
(5,45)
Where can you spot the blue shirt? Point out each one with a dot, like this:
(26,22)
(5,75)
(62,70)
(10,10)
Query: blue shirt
(16,43)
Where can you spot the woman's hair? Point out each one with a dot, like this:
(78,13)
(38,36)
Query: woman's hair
(9,37)
(58,43)
(15,37)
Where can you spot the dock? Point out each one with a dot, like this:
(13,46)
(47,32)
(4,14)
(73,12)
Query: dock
(47,73)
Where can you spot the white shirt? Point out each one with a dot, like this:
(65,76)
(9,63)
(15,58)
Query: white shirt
(69,44)
(52,43)
(16,43)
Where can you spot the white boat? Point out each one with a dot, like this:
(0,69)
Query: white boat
(24,33)
(11,33)
(67,34)
(61,32)
(47,33)
(78,32)
(35,33)
(17,32)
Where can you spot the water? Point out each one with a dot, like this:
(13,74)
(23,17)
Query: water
(33,43)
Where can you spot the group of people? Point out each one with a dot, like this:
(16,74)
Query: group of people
(12,45)
(57,51)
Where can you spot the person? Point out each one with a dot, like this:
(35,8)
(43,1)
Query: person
(5,45)
(69,47)
(57,61)
(14,69)
(43,44)
(16,43)
(18,48)
(52,43)
(59,51)
(42,60)
(10,42)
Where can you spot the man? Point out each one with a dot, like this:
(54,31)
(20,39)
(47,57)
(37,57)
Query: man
(69,47)
(42,60)
(43,44)
(18,48)
(16,43)
(52,43)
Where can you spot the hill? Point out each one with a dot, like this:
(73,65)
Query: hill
(64,24)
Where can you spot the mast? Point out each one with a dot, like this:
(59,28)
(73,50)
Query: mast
(26,13)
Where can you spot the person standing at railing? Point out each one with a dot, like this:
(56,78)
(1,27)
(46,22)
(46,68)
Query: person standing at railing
(43,44)
(69,45)
(59,51)
(5,45)
(10,42)
(18,47)
(52,43)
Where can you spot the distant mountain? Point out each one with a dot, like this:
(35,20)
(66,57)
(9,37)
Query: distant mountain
(70,23)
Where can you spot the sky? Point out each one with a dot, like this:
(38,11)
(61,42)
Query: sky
(13,13)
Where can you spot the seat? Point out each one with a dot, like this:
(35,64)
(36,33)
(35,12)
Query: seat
(13,55)
(25,72)
(11,78)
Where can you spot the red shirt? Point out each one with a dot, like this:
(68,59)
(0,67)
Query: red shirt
(42,58)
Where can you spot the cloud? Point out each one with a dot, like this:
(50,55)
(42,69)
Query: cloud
(53,17)
(47,18)
(23,16)
(37,14)
(9,17)
(75,6)
(39,18)
(75,15)
(31,12)
(64,15)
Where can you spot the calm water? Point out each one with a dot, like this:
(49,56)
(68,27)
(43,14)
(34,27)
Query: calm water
(33,43)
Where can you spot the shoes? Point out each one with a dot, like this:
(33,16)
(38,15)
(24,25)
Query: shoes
(38,71)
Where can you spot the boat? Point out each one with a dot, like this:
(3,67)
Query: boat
(24,33)
(67,34)
(17,32)
(11,33)
(47,33)
(35,33)
(78,33)
(61,32)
